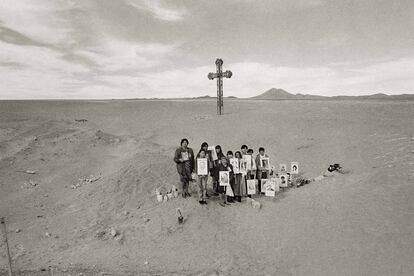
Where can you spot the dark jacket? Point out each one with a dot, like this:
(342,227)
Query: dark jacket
(181,165)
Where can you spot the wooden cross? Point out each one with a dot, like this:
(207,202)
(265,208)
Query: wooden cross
(219,75)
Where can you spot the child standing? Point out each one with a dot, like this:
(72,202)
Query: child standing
(202,179)
(230,155)
(261,172)
(225,166)
(251,174)
(239,181)
(243,183)
(204,146)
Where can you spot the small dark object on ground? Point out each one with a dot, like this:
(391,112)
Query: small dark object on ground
(180,216)
(334,167)
(81,120)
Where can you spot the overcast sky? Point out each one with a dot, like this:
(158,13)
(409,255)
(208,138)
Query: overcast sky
(159,48)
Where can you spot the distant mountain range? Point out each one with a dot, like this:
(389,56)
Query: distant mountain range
(280,94)
(207,97)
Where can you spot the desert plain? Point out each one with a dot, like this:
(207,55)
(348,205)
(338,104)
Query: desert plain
(97,164)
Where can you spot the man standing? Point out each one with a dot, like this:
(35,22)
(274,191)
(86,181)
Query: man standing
(261,172)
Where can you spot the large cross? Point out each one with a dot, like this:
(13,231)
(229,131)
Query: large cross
(219,75)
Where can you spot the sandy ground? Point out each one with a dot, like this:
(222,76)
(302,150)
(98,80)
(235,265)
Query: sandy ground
(361,223)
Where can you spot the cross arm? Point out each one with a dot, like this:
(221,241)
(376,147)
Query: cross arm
(226,74)
(212,76)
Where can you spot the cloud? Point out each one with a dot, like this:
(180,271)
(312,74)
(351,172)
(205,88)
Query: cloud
(41,72)
(158,9)
(42,55)
(121,56)
(42,21)
(282,4)
(37,58)
(33,71)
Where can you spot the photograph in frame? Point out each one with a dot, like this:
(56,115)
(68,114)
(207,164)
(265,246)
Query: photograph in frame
(254,166)
(212,152)
(184,156)
(270,188)
(251,186)
(265,163)
(263,184)
(234,162)
(284,180)
(248,160)
(282,168)
(224,178)
(202,166)
(243,169)
(294,167)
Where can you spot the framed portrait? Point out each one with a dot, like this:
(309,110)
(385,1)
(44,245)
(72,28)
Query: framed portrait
(184,156)
(251,186)
(254,166)
(248,159)
(235,164)
(270,188)
(243,169)
(263,184)
(265,163)
(202,166)
(224,178)
(282,168)
(212,152)
(283,180)
(294,167)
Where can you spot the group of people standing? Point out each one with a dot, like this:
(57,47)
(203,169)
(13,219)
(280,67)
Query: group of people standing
(187,168)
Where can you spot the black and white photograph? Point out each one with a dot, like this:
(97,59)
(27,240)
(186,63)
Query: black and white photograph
(248,161)
(284,181)
(294,168)
(234,162)
(184,156)
(263,184)
(224,178)
(209,137)
(202,166)
(251,186)
(212,152)
(243,166)
(270,188)
(265,163)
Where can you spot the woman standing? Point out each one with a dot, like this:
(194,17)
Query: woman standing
(239,180)
(184,157)
(216,163)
